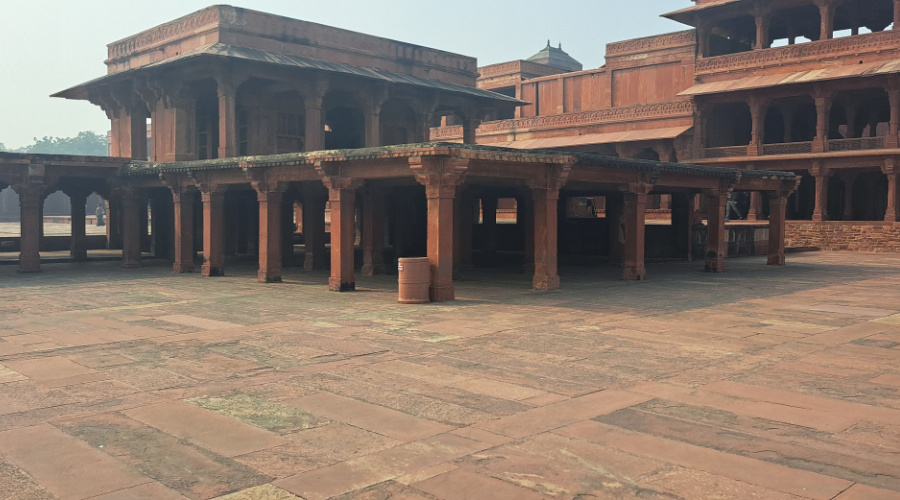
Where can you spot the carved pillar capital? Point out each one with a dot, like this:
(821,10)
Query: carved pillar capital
(439,174)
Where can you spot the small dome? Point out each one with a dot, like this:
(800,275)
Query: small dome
(557,58)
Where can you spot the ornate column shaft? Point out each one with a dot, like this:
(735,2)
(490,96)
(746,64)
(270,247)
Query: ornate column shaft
(634,216)
(78,243)
(133,204)
(716,246)
(341,195)
(821,174)
(823,113)
(183,199)
(213,198)
(777,215)
(545,194)
(373,213)
(441,176)
(891,170)
(270,197)
(893,138)
(228,139)
(31,202)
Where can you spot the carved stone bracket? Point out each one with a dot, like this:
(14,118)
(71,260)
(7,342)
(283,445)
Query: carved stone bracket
(554,177)
(333,178)
(206,183)
(439,174)
(817,169)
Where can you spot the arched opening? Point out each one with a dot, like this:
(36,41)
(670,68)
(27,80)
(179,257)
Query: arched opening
(858,18)
(345,126)
(398,123)
(207,120)
(729,125)
(801,203)
(731,36)
(290,122)
(795,25)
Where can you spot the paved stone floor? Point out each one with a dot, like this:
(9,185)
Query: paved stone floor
(763,383)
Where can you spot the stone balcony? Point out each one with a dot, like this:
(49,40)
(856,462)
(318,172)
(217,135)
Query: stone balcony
(797,148)
(822,50)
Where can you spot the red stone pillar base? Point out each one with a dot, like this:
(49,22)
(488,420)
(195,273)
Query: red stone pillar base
(716,246)
(133,206)
(777,214)
(213,229)
(546,271)
(184,230)
(31,200)
(634,216)
(270,198)
(441,177)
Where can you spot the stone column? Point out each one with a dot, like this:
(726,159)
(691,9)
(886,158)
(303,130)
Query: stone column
(341,195)
(441,177)
(183,199)
(823,113)
(826,11)
(31,201)
(757,135)
(755,206)
(373,213)
(634,214)
(228,140)
(821,174)
(270,196)
(133,204)
(545,193)
(896,14)
(716,246)
(114,223)
(777,211)
(314,201)
(891,170)
(470,127)
(849,177)
(489,226)
(373,129)
(762,31)
(893,141)
(78,242)
(315,131)
(213,198)
(288,228)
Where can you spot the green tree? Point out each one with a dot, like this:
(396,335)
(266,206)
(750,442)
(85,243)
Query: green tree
(85,143)
(3,147)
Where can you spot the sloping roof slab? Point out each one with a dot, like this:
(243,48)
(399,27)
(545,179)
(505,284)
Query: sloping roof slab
(263,56)
(588,139)
(818,75)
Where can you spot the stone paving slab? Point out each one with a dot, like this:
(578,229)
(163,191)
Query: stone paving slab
(759,383)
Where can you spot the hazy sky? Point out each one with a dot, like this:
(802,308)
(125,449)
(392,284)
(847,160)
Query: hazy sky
(50,45)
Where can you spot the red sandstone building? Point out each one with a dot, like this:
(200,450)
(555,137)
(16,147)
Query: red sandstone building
(809,86)
(258,122)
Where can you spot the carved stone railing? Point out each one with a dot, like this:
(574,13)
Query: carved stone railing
(856,144)
(179,27)
(787,148)
(513,67)
(451,132)
(727,152)
(650,43)
(849,46)
(600,116)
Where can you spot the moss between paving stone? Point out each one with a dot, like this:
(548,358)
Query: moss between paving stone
(259,412)
(15,483)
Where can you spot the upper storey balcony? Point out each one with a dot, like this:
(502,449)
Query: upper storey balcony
(748,35)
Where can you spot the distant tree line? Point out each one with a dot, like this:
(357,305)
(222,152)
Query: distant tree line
(85,143)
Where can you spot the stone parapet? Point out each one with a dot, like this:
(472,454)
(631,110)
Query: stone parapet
(865,236)
(852,46)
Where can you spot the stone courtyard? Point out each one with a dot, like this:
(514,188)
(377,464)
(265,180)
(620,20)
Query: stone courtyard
(762,382)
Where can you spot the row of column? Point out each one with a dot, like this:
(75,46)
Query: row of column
(822,174)
(31,212)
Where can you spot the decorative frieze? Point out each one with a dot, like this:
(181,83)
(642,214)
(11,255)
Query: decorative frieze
(651,43)
(179,27)
(853,45)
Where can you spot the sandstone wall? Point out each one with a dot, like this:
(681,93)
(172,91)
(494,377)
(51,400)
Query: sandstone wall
(855,236)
